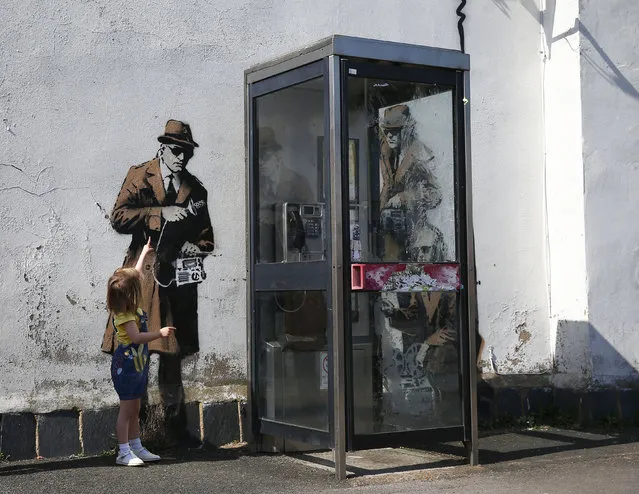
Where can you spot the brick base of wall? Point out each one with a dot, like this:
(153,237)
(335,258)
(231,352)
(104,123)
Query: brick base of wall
(90,432)
(557,406)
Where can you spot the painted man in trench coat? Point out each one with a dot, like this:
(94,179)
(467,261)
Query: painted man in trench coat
(426,320)
(409,186)
(161,200)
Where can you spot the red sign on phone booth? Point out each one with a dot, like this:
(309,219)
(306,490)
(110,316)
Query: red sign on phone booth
(405,277)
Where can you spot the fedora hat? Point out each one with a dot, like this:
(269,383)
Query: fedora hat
(176,132)
(266,140)
(394,117)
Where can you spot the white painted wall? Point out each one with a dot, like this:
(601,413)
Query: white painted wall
(566,253)
(507,152)
(86,87)
(610,106)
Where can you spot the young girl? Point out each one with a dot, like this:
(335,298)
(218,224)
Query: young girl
(130,363)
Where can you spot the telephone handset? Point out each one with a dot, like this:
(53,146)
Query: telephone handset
(300,230)
(296,233)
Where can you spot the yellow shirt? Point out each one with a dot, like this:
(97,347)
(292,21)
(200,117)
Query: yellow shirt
(120,319)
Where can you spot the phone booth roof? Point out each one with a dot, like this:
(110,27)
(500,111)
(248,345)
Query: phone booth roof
(363,48)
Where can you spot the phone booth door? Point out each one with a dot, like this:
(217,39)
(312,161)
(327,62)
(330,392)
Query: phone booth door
(408,332)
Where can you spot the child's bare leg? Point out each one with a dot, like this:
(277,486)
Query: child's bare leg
(134,437)
(134,421)
(127,409)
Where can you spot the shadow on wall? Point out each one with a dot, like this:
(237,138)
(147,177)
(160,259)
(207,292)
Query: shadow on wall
(584,358)
(503,6)
(590,50)
(599,60)
(592,384)
(544,17)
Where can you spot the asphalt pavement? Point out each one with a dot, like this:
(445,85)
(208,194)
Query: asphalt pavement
(524,461)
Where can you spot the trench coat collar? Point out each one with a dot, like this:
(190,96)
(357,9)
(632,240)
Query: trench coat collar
(154,178)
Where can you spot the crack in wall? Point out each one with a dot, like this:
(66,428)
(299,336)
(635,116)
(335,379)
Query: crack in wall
(9,165)
(41,194)
(31,179)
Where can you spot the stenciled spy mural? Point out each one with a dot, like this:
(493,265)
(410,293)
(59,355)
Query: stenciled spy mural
(419,339)
(162,201)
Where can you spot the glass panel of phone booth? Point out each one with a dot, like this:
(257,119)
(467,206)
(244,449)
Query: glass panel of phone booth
(405,345)
(291,220)
(407,376)
(291,325)
(400,171)
(293,358)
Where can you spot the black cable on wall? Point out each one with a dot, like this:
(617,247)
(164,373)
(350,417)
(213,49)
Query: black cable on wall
(460,25)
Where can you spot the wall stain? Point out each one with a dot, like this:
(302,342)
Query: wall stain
(38,318)
(63,354)
(524,336)
(106,215)
(213,370)
(73,301)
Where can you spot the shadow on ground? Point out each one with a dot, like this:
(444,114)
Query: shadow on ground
(501,446)
(494,447)
(169,456)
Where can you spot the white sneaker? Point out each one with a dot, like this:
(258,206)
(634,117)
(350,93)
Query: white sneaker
(145,454)
(129,460)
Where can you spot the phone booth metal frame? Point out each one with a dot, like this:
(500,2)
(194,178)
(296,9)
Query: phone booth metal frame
(329,63)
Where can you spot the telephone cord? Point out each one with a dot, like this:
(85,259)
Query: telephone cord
(157,248)
(277,302)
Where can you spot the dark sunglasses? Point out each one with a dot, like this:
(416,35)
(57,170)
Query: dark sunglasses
(178,150)
(392,131)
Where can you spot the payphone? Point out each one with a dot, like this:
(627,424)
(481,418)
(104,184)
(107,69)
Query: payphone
(300,232)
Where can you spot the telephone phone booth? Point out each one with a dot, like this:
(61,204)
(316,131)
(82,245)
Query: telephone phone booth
(360,303)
